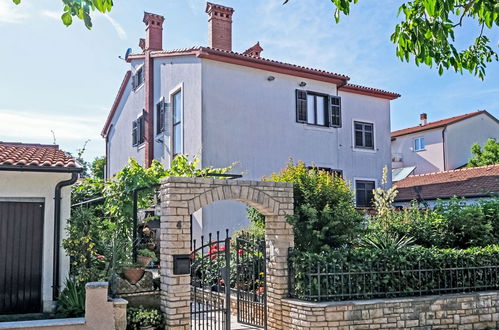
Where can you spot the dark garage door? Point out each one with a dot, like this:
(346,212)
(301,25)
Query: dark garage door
(21,248)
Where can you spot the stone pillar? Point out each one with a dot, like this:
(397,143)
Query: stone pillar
(279,238)
(175,235)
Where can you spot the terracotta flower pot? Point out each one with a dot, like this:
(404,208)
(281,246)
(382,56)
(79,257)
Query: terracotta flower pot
(133,274)
(144,261)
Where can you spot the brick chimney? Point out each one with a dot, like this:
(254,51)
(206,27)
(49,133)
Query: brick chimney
(219,26)
(423,118)
(154,31)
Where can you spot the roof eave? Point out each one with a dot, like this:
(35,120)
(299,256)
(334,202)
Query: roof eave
(31,168)
(370,92)
(117,100)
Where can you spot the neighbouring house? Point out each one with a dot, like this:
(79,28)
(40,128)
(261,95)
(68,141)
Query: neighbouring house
(473,184)
(35,203)
(440,145)
(227,106)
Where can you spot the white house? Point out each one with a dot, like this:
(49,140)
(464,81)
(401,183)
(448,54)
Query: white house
(226,106)
(34,206)
(440,145)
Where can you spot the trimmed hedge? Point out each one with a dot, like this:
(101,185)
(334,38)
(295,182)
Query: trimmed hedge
(351,274)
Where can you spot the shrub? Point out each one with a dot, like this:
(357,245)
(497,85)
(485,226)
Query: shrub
(374,273)
(143,317)
(324,213)
(72,299)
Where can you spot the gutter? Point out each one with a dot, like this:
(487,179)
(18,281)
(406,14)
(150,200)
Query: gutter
(57,232)
(443,147)
(31,168)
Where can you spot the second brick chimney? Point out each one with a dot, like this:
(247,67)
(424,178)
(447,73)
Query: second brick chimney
(219,26)
(423,118)
(154,31)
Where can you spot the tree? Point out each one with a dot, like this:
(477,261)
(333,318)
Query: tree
(81,9)
(488,155)
(324,213)
(427,32)
(97,167)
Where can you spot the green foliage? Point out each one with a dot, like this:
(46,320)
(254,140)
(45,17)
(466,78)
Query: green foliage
(81,10)
(375,273)
(107,229)
(86,245)
(148,253)
(488,155)
(380,235)
(450,224)
(427,33)
(143,317)
(256,218)
(72,299)
(97,167)
(324,214)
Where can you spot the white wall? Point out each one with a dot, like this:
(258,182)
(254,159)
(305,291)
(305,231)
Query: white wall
(252,121)
(26,185)
(119,143)
(460,137)
(426,161)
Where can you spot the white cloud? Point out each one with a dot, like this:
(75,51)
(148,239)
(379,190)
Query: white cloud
(51,14)
(34,126)
(117,26)
(11,13)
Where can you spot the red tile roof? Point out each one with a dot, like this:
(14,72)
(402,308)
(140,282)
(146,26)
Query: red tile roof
(41,155)
(466,182)
(438,123)
(358,89)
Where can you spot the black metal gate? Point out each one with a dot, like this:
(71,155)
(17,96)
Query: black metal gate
(210,283)
(21,250)
(250,282)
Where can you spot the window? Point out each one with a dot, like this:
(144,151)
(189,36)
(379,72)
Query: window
(138,78)
(364,137)
(177,112)
(364,193)
(335,111)
(318,109)
(160,117)
(138,131)
(329,170)
(419,144)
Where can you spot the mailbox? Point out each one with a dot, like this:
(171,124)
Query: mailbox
(181,264)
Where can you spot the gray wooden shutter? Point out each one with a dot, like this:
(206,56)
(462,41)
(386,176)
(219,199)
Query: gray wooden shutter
(301,106)
(134,133)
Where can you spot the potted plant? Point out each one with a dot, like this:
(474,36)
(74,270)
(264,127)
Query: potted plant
(133,272)
(144,318)
(145,256)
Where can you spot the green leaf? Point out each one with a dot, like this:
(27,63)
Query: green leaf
(67,19)
(17,1)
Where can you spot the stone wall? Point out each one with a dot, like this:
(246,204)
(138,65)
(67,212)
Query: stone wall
(453,311)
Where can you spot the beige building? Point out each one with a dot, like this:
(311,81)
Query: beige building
(440,145)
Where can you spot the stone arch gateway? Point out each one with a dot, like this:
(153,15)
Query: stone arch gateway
(182,196)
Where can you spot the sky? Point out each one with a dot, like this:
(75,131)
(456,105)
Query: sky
(59,83)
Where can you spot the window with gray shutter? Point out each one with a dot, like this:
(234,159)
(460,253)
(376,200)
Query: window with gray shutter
(160,117)
(301,106)
(335,111)
(364,193)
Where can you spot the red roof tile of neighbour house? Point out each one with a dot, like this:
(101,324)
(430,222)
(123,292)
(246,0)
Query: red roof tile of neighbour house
(438,123)
(467,182)
(41,155)
(351,88)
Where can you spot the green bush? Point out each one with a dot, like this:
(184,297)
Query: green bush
(450,224)
(324,213)
(374,273)
(143,317)
(72,299)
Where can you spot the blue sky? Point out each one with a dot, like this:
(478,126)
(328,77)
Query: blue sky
(64,80)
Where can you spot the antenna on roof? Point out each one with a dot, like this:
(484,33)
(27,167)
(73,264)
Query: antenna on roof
(127,53)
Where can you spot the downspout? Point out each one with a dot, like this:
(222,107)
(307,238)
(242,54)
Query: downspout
(443,147)
(149,108)
(57,232)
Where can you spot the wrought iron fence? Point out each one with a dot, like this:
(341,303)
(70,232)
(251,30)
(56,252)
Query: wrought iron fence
(321,280)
